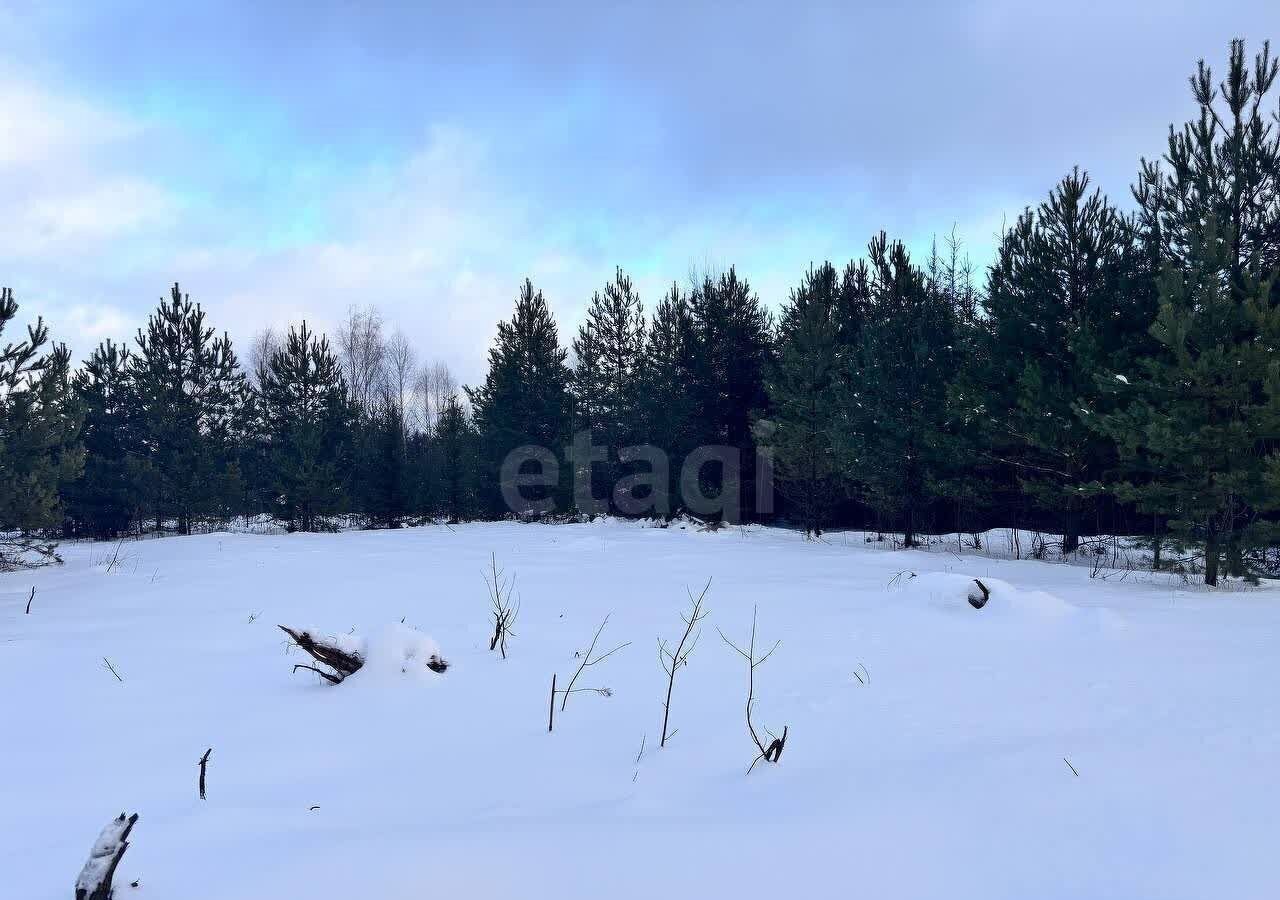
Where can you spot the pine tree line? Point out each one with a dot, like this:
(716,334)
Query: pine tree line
(1112,371)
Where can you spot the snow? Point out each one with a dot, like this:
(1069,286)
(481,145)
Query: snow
(394,651)
(943,767)
(103,854)
(949,593)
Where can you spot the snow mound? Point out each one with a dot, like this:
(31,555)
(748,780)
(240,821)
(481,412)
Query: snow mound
(950,592)
(396,651)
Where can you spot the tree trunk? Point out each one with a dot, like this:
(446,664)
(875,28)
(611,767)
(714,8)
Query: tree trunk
(1071,534)
(1235,555)
(1212,550)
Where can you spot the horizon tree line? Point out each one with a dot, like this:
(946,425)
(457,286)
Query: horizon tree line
(1111,372)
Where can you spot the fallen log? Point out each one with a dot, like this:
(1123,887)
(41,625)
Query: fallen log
(339,662)
(94,882)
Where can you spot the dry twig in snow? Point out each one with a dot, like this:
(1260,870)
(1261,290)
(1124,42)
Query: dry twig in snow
(589,658)
(771,752)
(504,614)
(672,660)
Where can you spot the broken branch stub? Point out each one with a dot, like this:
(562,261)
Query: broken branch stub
(94,882)
(979,594)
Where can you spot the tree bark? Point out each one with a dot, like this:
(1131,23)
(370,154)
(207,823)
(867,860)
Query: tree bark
(1235,555)
(909,534)
(1071,533)
(1070,542)
(94,882)
(1212,550)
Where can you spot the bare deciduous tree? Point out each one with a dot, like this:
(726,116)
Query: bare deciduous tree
(401,360)
(433,387)
(363,352)
(771,752)
(673,660)
(264,344)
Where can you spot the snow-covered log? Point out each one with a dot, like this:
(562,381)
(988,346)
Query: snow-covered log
(345,655)
(94,882)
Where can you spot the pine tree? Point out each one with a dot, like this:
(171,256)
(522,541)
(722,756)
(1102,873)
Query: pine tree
(666,404)
(305,415)
(40,450)
(731,347)
(525,399)
(1202,413)
(384,493)
(192,395)
(455,445)
(609,354)
(894,433)
(970,482)
(1059,311)
(813,341)
(103,502)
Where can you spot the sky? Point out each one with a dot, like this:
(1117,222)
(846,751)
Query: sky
(286,160)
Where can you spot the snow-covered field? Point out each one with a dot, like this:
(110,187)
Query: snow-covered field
(945,774)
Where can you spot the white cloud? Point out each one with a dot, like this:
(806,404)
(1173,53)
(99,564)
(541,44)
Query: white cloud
(62,218)
(61,191)
(38,126)
(69,198)
(92,324)
(438,243)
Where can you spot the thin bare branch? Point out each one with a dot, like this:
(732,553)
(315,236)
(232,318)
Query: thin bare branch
(589,658)
(504,613)
(672,660)
(772,751)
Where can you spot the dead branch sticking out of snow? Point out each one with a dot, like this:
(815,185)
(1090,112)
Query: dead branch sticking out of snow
(589,658)
(339,661)
(551,715)
(672,660)
(771,752)
(504,614)
(204,763)
(94,882)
